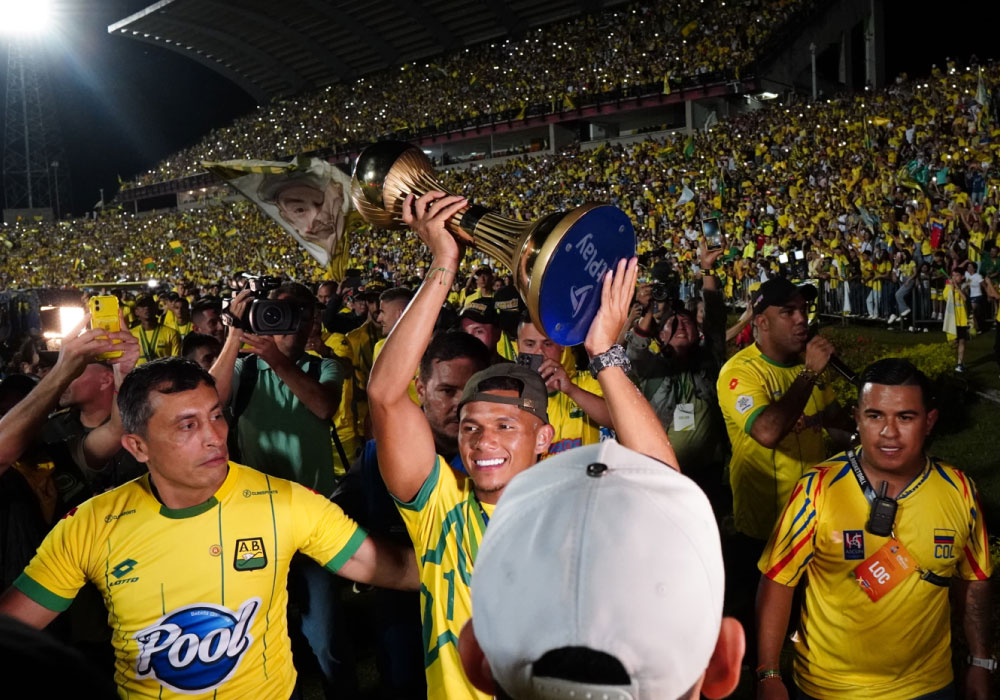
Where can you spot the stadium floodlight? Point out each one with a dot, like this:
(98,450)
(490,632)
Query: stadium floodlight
(767,96)
(18,17)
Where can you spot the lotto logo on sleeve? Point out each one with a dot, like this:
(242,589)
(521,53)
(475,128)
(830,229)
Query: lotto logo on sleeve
(196,648)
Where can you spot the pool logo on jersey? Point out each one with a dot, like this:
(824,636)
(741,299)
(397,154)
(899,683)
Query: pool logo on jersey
(250,554)
(196,648)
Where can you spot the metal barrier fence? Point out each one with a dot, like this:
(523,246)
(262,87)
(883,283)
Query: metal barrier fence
(852,299)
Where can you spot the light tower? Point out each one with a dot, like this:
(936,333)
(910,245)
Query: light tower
(33,184)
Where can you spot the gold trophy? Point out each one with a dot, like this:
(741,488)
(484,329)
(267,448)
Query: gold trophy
(558,261)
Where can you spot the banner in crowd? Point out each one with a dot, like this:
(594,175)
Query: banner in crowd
(308,197)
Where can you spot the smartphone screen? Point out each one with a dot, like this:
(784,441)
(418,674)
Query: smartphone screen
(712,231)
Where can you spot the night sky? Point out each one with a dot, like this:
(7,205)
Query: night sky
(124,105)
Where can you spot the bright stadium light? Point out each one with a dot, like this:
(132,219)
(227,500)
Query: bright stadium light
(18,17)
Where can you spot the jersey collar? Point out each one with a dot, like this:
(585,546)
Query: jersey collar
(181,513)
(914,483)
(769,361)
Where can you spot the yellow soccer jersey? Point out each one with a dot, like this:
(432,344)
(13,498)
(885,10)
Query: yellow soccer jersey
(762,478)
(159,342)
(573,426)
(446,525)
(900,646)
(196,597)
(170,321)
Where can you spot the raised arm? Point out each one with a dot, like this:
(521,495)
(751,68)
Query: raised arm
(104,442)
(21,424)
(778,419)
(405,443)
(635,422)
(222,369)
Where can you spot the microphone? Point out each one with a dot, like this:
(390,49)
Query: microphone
(835,362)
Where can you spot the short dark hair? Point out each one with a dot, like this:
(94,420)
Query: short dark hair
(167,375)
(199,308)
(193,341)
(299,293)
(396,294)
(895,371)
(451,345)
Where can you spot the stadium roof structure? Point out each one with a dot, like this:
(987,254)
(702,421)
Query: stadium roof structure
(275,49)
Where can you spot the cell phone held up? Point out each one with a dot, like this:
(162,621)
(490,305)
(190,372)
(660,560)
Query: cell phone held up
(711,229)
(530,360)
(104,316)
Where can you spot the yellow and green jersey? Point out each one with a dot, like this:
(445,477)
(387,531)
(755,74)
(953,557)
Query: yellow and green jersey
(900,646)
(573,427)
(196,597)
(446,522)
(159,342)
(761,477)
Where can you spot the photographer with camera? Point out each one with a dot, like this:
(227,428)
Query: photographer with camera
(283,400)
(679,380)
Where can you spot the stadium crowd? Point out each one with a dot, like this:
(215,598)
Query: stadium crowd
(396,405)
(612,52)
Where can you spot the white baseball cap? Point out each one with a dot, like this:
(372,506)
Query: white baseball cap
(603,548)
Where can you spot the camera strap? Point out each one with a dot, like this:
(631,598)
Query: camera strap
(869,492)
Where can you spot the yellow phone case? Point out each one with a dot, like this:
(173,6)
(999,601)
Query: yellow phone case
(104,315)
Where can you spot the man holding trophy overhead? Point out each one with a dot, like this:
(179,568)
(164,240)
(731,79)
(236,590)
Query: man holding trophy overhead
(503,421)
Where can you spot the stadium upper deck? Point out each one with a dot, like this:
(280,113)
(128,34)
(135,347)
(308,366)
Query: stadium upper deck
(623,51)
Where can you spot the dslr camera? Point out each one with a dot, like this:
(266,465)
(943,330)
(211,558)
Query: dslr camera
(267,316)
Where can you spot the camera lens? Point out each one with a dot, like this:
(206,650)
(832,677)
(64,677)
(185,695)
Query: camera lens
(272,316)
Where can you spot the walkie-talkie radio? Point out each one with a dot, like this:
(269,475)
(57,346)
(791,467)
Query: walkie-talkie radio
(883,513)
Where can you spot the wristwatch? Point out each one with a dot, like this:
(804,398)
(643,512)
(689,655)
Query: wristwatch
(989,664)
(612,357)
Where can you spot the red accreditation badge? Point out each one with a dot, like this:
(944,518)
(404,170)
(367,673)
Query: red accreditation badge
(885,569)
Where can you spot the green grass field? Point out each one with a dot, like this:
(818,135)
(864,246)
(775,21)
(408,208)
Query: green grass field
(968,431)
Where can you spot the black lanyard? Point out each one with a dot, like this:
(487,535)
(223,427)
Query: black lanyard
(866,486)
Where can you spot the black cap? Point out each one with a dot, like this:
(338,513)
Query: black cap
(532,397)
(509,306)
(481,310)
(778,292)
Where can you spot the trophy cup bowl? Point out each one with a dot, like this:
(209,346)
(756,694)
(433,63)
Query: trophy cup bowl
(558,261)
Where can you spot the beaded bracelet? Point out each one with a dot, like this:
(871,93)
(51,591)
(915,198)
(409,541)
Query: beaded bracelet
(810,375)
(764,673)
(442,269)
